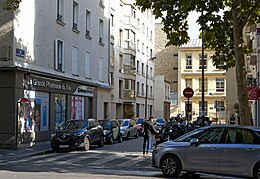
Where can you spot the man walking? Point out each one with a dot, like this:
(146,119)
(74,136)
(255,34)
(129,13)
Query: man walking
(148,131)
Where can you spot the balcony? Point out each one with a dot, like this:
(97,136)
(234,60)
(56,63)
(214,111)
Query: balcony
(129,70)
(129,95)
(129,20)
(129,45)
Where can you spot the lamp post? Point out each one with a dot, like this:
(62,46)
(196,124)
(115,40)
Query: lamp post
(202,71)
(146,88)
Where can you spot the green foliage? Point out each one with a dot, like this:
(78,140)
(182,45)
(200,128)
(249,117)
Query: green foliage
(218,29)
(11,5)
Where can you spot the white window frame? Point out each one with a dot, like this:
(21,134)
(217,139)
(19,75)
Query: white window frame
(189,61)
(205,84)
(88,23)
(205,61)
(59,55)
(101,31)
(60,10)
(75,15)
(74,64)
(220,84)
(87,65)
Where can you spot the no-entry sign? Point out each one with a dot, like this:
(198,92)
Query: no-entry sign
(188,92)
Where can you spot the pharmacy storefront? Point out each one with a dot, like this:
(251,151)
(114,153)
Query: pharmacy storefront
(46,103)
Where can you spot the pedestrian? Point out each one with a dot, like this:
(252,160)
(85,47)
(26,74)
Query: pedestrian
(148,130)
(232,119)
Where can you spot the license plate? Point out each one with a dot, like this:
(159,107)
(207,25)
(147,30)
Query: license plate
(64,146)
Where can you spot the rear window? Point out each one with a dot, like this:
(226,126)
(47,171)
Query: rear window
(139,121)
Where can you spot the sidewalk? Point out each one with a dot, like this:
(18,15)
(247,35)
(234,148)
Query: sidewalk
(37,148)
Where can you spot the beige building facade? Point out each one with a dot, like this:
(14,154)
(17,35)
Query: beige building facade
(190,75)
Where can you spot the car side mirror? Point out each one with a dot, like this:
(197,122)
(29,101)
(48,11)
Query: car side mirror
(194,141)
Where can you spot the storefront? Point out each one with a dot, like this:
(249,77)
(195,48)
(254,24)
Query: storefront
(42,104)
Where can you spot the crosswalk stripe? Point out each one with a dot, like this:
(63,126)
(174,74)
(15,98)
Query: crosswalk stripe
(48,160)
(104,160)
(80,158)
(131,162)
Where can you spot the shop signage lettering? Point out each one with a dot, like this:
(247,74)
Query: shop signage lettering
(40,83)
(84,91)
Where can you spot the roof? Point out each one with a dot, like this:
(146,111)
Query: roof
(193,43)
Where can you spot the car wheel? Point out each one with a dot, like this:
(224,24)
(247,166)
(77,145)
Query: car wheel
(170,166)
(111,141)
(101,142)
(86,144)
(128,136)
(257,171)
(120,138)
(136,135)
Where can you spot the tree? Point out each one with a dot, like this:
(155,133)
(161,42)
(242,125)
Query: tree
(11,5)
(223,33)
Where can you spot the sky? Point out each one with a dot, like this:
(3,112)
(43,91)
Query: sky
(193,26)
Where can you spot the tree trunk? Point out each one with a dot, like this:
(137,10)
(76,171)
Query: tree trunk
(244,110)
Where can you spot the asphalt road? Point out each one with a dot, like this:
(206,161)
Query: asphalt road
(120,160)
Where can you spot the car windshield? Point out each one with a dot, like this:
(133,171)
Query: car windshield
(125,123)
(75,124)
(106,124)
(139,121)
(187,137)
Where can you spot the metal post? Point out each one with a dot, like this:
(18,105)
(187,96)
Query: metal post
(202,70)
(146,92)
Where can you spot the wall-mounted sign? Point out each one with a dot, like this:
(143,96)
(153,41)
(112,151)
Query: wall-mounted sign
(20,53)
(84,91)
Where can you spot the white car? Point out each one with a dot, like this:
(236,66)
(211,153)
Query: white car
(128,128)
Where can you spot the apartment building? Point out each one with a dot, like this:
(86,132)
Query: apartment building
(131,64)
(54,66)
(190,75)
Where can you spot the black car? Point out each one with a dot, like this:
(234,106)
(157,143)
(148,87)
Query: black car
(78,133)
(111,129)
(159,125)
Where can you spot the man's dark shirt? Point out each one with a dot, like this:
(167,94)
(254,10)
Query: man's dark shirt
(148,128)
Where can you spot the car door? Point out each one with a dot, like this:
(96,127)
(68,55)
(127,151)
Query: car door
(115,129)
(132,128)
(204,157)
(238,152)
(92,132)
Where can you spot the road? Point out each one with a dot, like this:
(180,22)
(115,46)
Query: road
(120,160)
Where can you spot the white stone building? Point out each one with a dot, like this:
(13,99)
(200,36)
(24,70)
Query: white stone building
(55,54)
(131,46)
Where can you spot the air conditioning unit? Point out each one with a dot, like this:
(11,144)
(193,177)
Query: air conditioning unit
(5,53)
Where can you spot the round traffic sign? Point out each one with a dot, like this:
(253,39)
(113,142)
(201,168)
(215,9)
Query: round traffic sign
(188,92)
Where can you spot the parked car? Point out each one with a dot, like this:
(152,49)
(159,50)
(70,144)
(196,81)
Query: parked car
(128,128)
(139,122)
(78,133)
(159,124)
(218,149)
(111,129)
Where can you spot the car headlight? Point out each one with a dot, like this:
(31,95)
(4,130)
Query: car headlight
(79,134)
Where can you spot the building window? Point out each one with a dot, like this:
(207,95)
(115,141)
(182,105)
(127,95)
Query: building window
(121,64)
(88,22)
(59,55)
(137,67)
(127,86)
(111,78)
(188,83)
(151,72)
(100,69)
(75,15)
(138,88)
(74,60)
(120,37)
(205,85)
(151,91)
(101,31)
(120,89)
(143,69)
(60,10)
(142,92)
(188,61)
(87,65)
(205,61)
(205,108)
(143,48)
(220,84)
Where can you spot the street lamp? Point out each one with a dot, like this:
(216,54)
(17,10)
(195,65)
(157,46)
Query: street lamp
(146,88)
(202,70)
